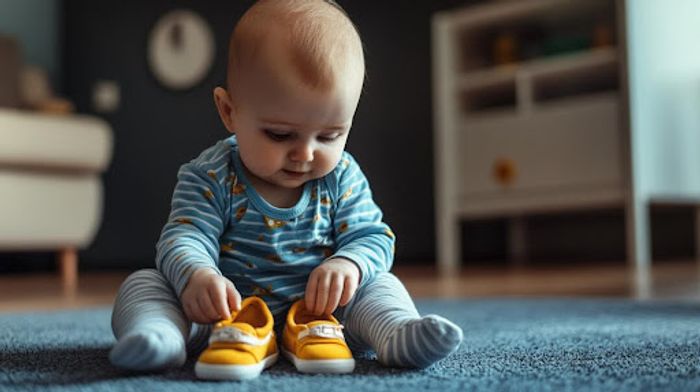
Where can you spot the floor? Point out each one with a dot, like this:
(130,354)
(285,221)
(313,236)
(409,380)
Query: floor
(670,280)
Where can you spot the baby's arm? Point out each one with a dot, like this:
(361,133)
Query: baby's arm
(364,243)
(188,249)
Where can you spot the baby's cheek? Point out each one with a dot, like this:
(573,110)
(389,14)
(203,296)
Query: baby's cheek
(325,163)
(268,164)
(261,162)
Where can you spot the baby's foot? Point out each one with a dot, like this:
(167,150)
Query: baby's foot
(421,342)
(148,350)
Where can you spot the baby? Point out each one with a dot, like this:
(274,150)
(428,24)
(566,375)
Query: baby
(278,210)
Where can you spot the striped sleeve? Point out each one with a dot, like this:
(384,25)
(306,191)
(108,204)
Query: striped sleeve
(361,235)
(190,239)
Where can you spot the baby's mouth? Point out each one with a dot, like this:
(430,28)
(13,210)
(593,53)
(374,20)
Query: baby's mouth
(293,173)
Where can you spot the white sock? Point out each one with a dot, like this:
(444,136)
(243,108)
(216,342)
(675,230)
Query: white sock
(383,317)
(149,350)
(420,342)
(148,323)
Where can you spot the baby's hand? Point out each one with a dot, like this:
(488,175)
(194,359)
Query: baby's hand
(331,284)
(209,297)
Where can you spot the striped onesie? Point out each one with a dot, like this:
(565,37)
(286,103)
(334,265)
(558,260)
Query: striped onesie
(219,221)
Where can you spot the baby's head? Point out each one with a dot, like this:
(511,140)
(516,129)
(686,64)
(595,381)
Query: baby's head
(312,41)
(294,77)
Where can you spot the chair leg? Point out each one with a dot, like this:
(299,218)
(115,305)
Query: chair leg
(517,241)
(697,233)
(68,267)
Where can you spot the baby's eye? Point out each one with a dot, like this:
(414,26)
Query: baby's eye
(278,136)
(329,138)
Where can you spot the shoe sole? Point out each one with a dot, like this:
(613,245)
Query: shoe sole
(335,366)
(208,371)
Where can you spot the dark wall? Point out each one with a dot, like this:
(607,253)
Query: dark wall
(157,130)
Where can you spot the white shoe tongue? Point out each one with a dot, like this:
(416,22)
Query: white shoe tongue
(244,327)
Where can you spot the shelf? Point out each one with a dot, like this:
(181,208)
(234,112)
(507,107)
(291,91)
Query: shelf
(540,201)
(505,114)
(578,62)
(547,105)
(488,78)
(511,32)
(552,67)
(594,74)
(529,111)
(496,94)
(525,84)
(513,11)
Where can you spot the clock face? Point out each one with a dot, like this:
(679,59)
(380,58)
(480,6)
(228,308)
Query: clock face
(181,49)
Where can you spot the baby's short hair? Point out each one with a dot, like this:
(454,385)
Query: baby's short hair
(323,42)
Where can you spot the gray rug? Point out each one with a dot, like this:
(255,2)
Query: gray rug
(516,344)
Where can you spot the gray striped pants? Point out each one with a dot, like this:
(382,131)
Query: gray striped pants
(378,308)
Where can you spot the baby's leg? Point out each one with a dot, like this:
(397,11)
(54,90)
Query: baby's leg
(383,316)
(149,324)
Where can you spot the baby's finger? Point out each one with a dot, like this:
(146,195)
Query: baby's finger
(334,293)
(348,290)
(324,283)
(310,293)
(195,314)
(217,294)
(233,296)
(207,308)
(188,310)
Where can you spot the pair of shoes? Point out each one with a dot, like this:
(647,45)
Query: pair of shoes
(241,347)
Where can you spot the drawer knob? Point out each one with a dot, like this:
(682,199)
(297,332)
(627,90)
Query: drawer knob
(505,171)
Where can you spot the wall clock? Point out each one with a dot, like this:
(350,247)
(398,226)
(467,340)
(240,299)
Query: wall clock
(181,49)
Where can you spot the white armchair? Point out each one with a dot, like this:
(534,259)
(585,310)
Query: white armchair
(50,186)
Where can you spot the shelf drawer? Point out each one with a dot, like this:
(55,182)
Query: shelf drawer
(559,145)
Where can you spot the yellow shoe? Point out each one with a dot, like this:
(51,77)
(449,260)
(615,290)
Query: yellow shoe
(240,348)
(315,344)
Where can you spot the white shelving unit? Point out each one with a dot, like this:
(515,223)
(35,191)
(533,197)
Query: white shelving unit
(548,105)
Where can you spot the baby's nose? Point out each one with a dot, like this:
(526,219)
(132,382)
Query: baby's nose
(303,153)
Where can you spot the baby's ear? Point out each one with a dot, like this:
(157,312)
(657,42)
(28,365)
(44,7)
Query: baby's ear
(224,105)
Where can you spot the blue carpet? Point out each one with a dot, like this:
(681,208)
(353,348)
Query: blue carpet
(510,344)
